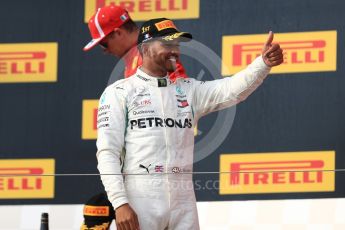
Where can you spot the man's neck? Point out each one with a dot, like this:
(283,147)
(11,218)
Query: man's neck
(134,38)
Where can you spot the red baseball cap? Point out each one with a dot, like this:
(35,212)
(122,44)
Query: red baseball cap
(104,21)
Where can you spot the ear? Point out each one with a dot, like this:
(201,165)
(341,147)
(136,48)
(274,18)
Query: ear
(145,49)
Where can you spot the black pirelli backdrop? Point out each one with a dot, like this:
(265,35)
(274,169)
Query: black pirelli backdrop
(290,112)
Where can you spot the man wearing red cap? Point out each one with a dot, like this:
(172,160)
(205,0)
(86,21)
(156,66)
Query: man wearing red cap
(112,28)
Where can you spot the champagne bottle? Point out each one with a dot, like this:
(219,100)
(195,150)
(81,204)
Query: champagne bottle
(44,221)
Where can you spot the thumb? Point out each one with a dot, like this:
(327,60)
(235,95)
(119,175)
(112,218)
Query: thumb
(269,39)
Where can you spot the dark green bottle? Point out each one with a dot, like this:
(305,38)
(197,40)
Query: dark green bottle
(44,221)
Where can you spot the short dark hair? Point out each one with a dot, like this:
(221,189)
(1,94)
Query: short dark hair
(130,26)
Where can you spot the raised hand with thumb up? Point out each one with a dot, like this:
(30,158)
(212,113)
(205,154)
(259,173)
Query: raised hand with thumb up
(272,54)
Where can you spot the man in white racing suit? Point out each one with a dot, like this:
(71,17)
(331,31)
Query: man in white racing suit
(146,130)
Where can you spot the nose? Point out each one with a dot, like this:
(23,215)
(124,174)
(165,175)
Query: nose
(175,51)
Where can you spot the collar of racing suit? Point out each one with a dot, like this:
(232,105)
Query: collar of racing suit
(154,81)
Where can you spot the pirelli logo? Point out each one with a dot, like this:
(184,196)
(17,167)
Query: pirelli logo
(96,210)
(89,119)
(277,172)
(142,10)
(23,178)
(29,62)
(303,51)
(165,25)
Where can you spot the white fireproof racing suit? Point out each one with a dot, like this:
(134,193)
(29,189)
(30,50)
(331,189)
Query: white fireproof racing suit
(146,131)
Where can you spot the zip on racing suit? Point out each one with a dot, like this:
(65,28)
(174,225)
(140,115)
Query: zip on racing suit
(146,140)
